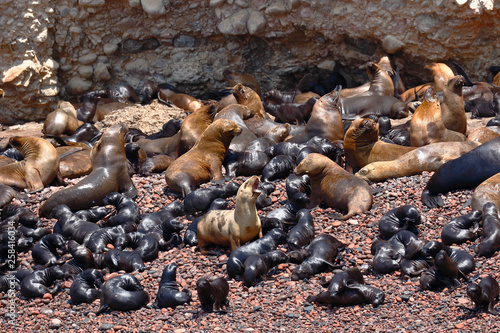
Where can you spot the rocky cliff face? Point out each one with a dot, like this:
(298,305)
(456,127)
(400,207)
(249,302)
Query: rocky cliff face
(59,49)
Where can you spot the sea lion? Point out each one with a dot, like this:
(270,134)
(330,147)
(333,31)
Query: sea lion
(7,193)
(385,257)
(109,174)
(190,235)
(38,282)
(464,260)
(168,94)
(238,113)
(452,107)
(462,228)
(483,134)
(71,226)
(303,233)
(201,199)
(297,184)
(84,133)
(490,236)
(407,243)
(45,253)
(445,274)
(87,111)
(293,113)
(257,265)
(39,167)
(334,186)
(203,162)
(278,167)
(169,295)
(289,213)
(116,260)
(405,217)
(212,294)
(484,294)
(440,73)
(233,78)
(380,84)
(63,120)
(149,92)
(99,239)
(74,162)
(124,293)
(427,125)
(93,214)
(126,209)
(342,280)
(325,121)
(364,106)
(467,171)
(232,227)
(144,245)
(362,145)
(487,191)
(268,242)
(155,164)
(83,259)
(86,286)
(427,158)
(170,128)
(124,93)
(321,253)
(354,295)
(150,220)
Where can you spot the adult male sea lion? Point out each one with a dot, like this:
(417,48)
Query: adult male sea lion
(39,167)
(232,227)
(334,186)
(109,174)
(203,162)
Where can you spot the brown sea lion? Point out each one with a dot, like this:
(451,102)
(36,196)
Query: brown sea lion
(233,78)
(105,107)
(380,84)
(487,191)
(74,162)
(452,107)
(39,167)
(203,162)
(232,227)
(63,120)
(155,164)
(212,293)
(483,134)
(238,113)
(426,158)
(363,146)
(440,73)
(427,125)
(364,106)
(334,186)
(109,174)
(484,294)
(191,129)
(168,94)
(325,121)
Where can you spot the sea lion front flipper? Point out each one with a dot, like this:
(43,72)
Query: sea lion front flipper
(491,309)
(102,309)
(33,181)
(431,200)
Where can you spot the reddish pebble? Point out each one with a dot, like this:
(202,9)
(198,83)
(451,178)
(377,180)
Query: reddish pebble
(47,296)
(67,284)
(110,246)
(459,325)
(463,300)
(336,223)
(398,299)
(110,276)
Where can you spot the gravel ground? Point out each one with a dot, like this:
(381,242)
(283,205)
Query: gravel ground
(277,303)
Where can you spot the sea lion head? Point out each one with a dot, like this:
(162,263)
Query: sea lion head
(279,132)
(313,164)
(363,131)
(474,291)
(456,83)
(250,188)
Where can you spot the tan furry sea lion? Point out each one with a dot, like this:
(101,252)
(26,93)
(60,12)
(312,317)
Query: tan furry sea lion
(168,94)
(334,186)
(62,120)
(426,158)
(363,146)
(203,162)
(452,107)
(39,167)
(487,191)
(232,227)
(233,78)
(427,125)
(440,73)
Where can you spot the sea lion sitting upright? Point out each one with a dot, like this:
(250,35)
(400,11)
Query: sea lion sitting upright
(232,227)
(484,294)
(452,107)
(39,167)
(203,162)
(363,146)
(427,124)
(62,120)
(233,78)
(109,174)
(169,294)
(212,294)
(334,186)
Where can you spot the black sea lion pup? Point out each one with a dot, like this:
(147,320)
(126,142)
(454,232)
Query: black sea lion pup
(232,227)
(270,241)
(150,220)
(94,214)
(120,260)
(109,174)
(322,252)
(303,233)
(169,295)
(484,294)
(287,214)
(335,186)
(83,258)
(200,199)
(445,274)
(126,209)
(259,264)
(462,228)
(297,184)
(490,237)
(279,167)
(266,188)
(99,239)
(464,260)
(38,282)
(406,243)
(385,257)
(71,226)
(340,281)
(144,245)
(401,218)
(212,294)
(356,294)
(45,251)
(284,148)
(123,293)
(86,286)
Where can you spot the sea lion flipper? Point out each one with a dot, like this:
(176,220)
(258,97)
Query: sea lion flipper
(102,309)
(491,309)
(431,200)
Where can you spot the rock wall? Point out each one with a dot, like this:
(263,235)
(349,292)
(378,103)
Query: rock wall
(56,49)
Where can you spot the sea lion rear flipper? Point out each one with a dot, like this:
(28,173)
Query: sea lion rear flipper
(102,309)
(431,200)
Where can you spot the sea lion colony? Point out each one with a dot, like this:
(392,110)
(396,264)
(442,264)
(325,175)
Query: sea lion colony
(198,151)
